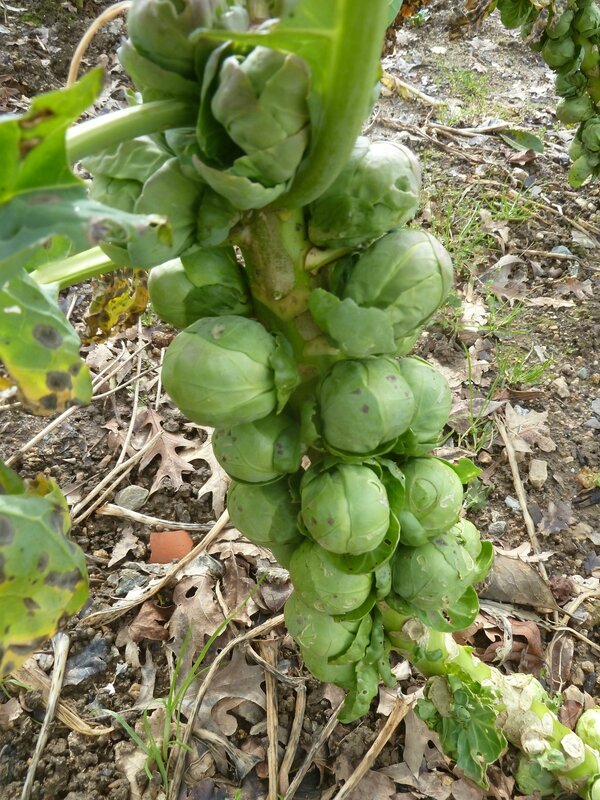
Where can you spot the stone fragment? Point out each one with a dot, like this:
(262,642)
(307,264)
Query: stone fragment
(132,497)
(562,390)
(497,528)
(538,473)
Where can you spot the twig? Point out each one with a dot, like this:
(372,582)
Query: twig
(123,385)
(187,731)
(318,742)
(520,490)
(121,470)
(103,19)
(294,740)
(111,510)
(33,677)
(159,384)
(136,397)
(287,679)
(101,617)
(61,650)
(403,87)
(269,651)
(399,711)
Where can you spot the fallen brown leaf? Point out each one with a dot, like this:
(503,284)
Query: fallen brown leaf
(557,518)
(150,623)
(529,429)
(513,581)
(218,483)
(172,464)
(581,289)
(126,542)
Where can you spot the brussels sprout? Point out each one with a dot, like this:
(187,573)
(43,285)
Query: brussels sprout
(345,508)
(218,371)
(575,149)
(560,25)
(533,779)
(364,405)
(435,575)
(407,273)
(559,52)
(259,451)
(575,109)
(590,134)
(433,402)
(467,534)
(571,84)
(343,675)
(202,283)
(587,21)
(116,193)
(318,634)
(266,514)
(160,29)
(588,727)
(377,190)
(260,103)
(432,501)
(322,586)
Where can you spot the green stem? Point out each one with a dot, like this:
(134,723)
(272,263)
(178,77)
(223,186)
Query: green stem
(69,271)
(274,246)
(345,101)
(525,720)
(107,130)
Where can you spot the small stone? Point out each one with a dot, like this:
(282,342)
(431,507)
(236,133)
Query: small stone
(512,502)
(587,666)
(592,423)
(497,528)
(562,390)
(538,473)
(520,175)
(132,497)
(583,373)
(577,676)
(484,457)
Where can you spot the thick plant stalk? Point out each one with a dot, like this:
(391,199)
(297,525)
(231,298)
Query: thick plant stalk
(523,718)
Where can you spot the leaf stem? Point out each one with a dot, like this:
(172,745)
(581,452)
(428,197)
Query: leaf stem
(69,271)
(106,130)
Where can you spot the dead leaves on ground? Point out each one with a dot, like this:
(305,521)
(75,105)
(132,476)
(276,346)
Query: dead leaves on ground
(175,454)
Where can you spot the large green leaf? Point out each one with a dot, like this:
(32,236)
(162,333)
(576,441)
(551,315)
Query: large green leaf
(341,41)
(42,573)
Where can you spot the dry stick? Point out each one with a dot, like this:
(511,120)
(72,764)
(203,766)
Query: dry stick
(123,385)
(103,19)
(399,711)
(315,747)
(101,617)
(124,468)
(519,489)
(159,384)
(61,650)
(402,86)
(287,679)
(189,726)
(294,740)
(136,397)
(111,510)
(269,651)
(33,677)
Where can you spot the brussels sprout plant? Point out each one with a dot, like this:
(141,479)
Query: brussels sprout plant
(277,240)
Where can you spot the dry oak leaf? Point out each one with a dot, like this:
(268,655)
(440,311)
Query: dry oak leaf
(150,623)
(580,289)
(528,429)
(559,517)
(235,683)
(172,464)
(218,483)
(196,617)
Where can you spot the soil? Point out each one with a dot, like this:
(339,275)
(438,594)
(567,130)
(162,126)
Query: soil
(532,332)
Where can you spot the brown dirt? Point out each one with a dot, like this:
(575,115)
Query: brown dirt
(462,178)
